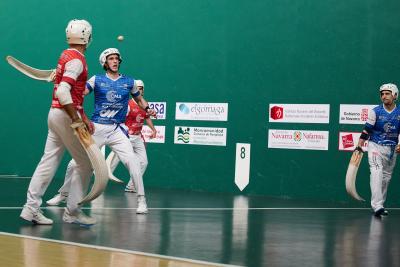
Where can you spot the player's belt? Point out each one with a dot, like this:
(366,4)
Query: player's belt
(122,129)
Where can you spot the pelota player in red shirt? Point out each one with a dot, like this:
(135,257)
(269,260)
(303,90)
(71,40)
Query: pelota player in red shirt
(66,109)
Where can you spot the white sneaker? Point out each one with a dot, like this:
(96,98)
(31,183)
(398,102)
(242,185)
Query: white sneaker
(142,206)
(35,216)
(56,200)
(80,218)
(130,188)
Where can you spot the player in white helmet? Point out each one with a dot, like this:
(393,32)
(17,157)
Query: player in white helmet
(382,132)
(66,109)
(134,120)
(111,92)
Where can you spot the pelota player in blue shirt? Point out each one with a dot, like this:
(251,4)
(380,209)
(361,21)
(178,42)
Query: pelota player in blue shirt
(382,132)
(111,92)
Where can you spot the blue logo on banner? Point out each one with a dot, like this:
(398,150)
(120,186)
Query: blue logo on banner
(184,109)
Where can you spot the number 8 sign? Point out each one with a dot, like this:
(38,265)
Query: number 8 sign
(242,165)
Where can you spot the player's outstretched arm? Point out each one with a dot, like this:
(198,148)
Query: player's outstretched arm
(144,105)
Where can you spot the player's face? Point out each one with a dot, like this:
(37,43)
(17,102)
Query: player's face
(387,97)
(113,62)
(141,90)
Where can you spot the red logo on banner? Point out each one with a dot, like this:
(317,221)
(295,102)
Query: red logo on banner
(347,141)
(276,113)
(364,114)
(297,136)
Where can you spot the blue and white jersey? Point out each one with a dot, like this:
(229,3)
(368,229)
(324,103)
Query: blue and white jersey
(111,98)
(384,126)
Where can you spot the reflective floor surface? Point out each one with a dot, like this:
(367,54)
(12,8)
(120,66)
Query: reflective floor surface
(210,228)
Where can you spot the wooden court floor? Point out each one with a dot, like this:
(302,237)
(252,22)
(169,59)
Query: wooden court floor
(186,228)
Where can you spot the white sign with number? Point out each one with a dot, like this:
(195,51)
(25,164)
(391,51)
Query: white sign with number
(242,165)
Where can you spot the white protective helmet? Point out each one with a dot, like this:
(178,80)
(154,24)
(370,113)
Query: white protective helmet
(106,53)
(79,32)
(139,83)
(390,87)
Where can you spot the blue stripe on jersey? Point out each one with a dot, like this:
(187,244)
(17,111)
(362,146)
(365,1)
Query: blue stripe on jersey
(387,126)
(88,86)
(111,99)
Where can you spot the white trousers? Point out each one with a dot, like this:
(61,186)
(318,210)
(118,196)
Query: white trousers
(382,160)
(115,138)
(140,151)
(59,137)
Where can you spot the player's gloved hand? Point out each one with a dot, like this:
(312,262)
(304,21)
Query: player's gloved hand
(397,149)
(359,149)
(82,132)
(78,123)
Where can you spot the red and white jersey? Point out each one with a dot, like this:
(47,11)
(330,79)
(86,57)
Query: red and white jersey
(135,118)
(72,69)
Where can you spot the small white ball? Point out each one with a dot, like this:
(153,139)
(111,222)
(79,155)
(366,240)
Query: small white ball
(120,38)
